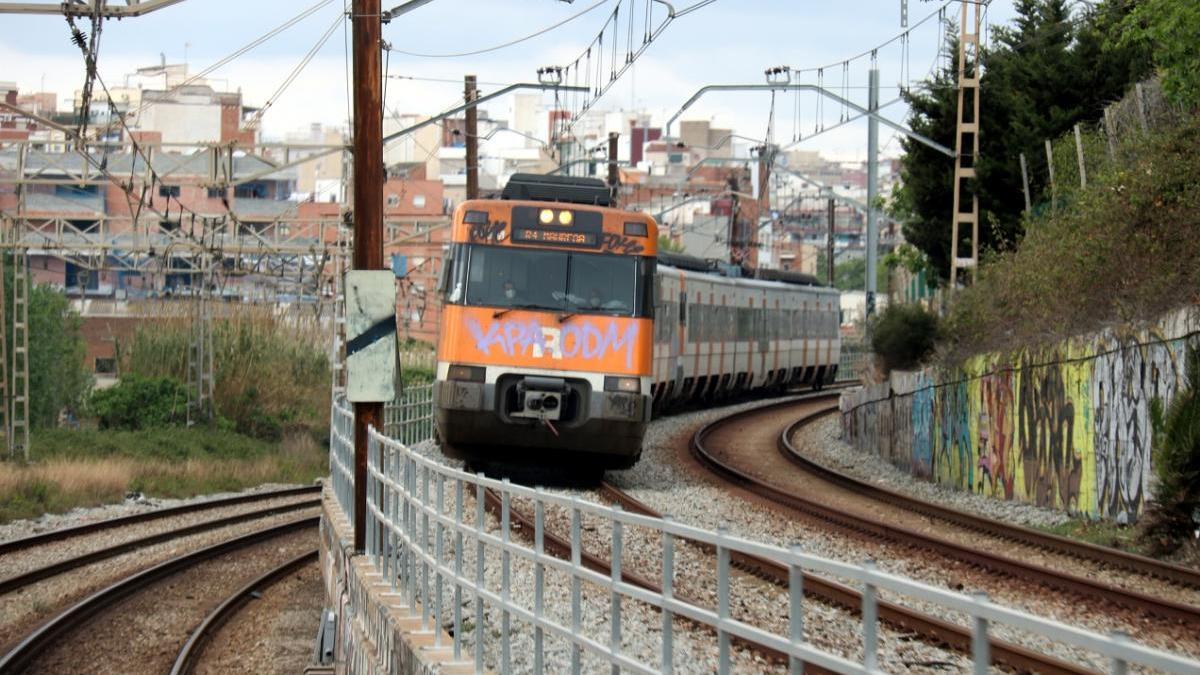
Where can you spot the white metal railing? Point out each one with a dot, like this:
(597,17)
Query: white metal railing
(853,361)
(409,419)
(419,529)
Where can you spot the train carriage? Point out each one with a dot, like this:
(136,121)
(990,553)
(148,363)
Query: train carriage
(562,328)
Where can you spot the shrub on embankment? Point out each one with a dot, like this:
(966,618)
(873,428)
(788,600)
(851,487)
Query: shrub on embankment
(1173,516)
(1122,251)
(271,370)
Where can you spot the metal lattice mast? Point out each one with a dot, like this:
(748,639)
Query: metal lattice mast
(200,351)
(966,144)
(337,360)
(5,402)
(19,441)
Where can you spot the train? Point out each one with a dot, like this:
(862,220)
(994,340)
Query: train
(564,330)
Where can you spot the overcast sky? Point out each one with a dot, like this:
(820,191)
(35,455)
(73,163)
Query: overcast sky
(729,41)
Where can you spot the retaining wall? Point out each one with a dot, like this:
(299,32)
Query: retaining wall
(377,632)
(1066,427)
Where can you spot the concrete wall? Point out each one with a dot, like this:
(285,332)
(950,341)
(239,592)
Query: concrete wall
(1066,427)
(377,633)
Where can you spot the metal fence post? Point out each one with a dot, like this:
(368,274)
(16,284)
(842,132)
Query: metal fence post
(722,600)
(668,591)
(539,572)
(980,649)
(480,528)
(576,609)
(615,612)
(425,608)
(459,553)
(870,613)
(439,555)
(795,611)
(1119,666)
(505,563)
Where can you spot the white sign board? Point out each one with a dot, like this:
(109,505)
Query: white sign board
(370,336)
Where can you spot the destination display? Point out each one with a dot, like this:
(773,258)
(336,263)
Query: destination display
(555,237)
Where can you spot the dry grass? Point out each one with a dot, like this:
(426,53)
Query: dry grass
(87,468)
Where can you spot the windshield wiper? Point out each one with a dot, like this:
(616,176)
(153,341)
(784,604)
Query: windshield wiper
(562,318)
(501,312)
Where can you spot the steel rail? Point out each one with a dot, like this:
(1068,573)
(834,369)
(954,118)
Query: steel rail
(53,631)
(122,521)
(189,655)
(1018,533)
(953,636)
(13,583)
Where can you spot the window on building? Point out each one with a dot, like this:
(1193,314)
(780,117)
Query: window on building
(168,190)
(393,200)
(216,192)
(419,201)
(106,366)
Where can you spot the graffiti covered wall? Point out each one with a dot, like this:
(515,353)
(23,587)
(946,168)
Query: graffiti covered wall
(1066,427)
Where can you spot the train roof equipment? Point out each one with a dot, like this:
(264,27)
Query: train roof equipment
(712,266)
(570,189)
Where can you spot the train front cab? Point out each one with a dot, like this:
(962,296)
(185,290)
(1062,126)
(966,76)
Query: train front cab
(545,346)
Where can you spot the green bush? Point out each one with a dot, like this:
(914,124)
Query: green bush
(141,403)
(903,335)
(1174,513)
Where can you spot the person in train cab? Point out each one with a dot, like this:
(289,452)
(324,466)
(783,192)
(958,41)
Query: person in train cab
(510,291)
(595,300)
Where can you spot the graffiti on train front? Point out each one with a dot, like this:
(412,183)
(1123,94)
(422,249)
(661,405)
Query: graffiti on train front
(577,339)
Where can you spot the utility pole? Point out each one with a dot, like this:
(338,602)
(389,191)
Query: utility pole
(832,210)
(368,212)
(872,191)
(472,132)
(766,158)
(614,177)
(734,258)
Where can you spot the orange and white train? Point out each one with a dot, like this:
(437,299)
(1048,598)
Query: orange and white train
(562,329)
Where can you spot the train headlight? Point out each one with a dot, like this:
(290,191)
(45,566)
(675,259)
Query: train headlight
(625,384)
(546,216)
(467,373)
(564,217)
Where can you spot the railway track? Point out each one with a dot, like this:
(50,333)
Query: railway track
(19,581)
(66,533)
(192,652)
(54,632)
(772,488)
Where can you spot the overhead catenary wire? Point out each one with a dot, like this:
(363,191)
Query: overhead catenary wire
(241,51)
(505,45)
(295,72)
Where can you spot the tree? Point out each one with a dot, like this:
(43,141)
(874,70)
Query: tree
(1042,75)
(1170,31)
(58,377)
(851,275)
(667,245)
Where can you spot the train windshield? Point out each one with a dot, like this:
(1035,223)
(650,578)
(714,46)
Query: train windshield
(557,281)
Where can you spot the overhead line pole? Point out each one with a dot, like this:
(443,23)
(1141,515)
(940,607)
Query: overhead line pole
(872,194)
(368,211)
(472,133)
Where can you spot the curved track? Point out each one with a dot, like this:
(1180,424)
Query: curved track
(190,654)
(54,631)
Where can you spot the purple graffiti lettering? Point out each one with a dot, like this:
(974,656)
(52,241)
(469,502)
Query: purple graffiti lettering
(621,244)
(484,342)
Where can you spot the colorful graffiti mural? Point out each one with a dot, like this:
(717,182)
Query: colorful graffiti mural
(1065,428)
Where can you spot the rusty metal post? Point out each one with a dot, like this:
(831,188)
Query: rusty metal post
(614,177)
(472,133)
(368,212)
